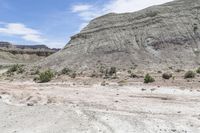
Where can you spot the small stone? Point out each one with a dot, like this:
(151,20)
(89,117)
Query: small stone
(30,104)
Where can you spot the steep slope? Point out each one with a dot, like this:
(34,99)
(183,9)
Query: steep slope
(155,38)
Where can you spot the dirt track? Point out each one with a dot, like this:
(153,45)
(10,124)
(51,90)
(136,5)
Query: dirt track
(68,108)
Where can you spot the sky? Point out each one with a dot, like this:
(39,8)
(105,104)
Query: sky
(53,22)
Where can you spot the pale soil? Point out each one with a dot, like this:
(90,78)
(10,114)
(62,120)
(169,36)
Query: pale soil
(67,107)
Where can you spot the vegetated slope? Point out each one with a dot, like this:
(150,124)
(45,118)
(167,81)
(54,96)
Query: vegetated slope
(155,38)
(10,53)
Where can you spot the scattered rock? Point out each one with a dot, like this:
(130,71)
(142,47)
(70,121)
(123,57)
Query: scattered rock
(30,104)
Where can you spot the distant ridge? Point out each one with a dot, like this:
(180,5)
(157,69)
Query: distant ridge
(11,53)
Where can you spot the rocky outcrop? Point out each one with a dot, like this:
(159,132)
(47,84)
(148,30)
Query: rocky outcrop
(154,38)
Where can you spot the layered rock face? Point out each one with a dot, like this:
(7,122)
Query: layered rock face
(154,38)
(10,53)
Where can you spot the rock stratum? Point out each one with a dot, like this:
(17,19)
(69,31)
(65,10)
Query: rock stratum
(158,37)
(10,53)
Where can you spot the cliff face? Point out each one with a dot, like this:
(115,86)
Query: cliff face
(157,37)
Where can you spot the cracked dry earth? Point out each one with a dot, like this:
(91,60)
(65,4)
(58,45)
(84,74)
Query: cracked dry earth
(67,108)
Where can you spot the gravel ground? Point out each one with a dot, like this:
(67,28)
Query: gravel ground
(68,108)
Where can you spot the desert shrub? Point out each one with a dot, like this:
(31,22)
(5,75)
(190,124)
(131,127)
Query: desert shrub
(1,66)
(129,71)
(45,76)
(113,70)
(16,68)
(148,79)
(13,68)
(167,76)
(195,27)
(189,74)
(198,70)
(66,71)
(20,70)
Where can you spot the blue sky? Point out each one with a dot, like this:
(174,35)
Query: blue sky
(53,22)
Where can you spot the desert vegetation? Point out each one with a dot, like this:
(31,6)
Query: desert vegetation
(45,76)
(66,71)
(148,79)
(198,70)
(18,69)
(167,75)
(189,74)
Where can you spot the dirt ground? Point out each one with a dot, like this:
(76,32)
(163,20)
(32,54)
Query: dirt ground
(71,107)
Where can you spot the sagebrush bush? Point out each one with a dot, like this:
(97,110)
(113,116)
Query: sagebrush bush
(16,68)
(110,72)
(189,74)
(46,76)
(198,70)
(113,70)
(66,71)
(129,71)
(148,79)
(167,75)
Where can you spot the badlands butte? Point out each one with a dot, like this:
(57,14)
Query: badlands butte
(98,82)
(154,38)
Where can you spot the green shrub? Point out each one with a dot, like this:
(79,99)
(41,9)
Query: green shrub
(148,79)
(189,74)
(167,76)
(20,70)
(111,71)
(66,71)
(198,70)
(16,68)
(45,76)
(129,71)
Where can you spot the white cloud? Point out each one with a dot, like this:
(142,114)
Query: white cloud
(81,7)
(34,38)
(122,6)
(115,6)
(18,29)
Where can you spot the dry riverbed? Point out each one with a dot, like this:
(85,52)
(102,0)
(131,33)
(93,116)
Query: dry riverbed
(66,107)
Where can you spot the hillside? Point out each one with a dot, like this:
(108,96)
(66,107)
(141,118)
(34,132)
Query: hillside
(155,38)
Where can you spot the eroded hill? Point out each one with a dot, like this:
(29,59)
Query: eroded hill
(158,37)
